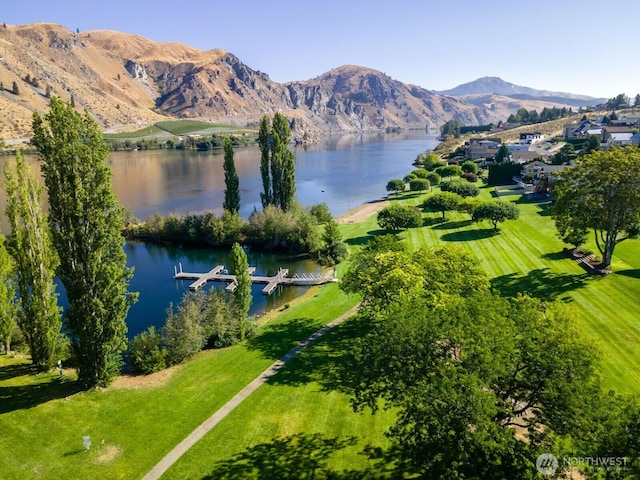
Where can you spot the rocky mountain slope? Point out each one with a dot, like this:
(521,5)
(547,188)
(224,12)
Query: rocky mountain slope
(126,81)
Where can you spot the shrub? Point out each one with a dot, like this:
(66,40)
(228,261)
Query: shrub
(398,217)
(470,177)
(449,171)
(469,167)
(420,173)
(462,188)
(146,353)
(419,185)
(183,332)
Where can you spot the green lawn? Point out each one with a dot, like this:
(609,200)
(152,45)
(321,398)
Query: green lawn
(150,131)
(184,127)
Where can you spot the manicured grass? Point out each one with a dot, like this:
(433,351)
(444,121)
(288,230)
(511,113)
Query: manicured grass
(43,420)
(151,131)
(184,127)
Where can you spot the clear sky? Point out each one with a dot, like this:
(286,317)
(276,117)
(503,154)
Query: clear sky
(587,47)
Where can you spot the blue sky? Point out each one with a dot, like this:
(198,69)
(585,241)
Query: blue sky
(586,47)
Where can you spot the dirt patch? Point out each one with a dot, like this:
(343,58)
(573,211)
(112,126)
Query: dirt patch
(144,381)
(107,453)
(363,212)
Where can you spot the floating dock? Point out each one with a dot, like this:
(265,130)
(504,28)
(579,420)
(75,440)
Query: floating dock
(220,274)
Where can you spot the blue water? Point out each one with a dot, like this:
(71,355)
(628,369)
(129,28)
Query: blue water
(343,172)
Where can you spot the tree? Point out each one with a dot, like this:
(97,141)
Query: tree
(461,375)
(232,184)
(86,220)
(495,212)
(503,154)
(591,145)
(334,250)
(398,217)
(277,163)
(36,261)
(396,185)
(242,294)
(470,167)
(8,308)
(321,213)
(461,187)
(183,331)
(264,140)
(419,185)
(449,171)
(146,352)
(442,202)
(14,89)
(431,161)
(602,194)
(434,178)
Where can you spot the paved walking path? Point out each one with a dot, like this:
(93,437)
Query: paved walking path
(173,456)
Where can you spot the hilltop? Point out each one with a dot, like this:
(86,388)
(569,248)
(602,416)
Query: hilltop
(127,81)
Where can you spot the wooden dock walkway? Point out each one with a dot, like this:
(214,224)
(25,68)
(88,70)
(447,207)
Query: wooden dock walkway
(219,274)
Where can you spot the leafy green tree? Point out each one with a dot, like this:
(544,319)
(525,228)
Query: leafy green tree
(36,260)
(277,163)
(419,185)
(434,178)
(602,194)
(461,187)
(86,219)
(495,212)
(449,171)
(442,202)
(232,184)
(636,102)
(468,205)
(334,250)
(419,173)
(242,294)
(398,217)
(396,185)
(183,332)
(470,167)
(146,352)
(321,213)
(431,161)
(591,145)
(452,127)
(503,154)
(8,310)
(460,376)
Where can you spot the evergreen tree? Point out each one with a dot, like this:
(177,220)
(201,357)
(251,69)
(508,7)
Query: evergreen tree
(36,261)
(232,185)
(242,294)
(14,89)
(7,297)
(86,219)
(264,140)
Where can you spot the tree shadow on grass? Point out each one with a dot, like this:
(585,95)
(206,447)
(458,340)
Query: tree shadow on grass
(633,273)
(470,235)
(295,457)
(278,338)
(540,283)
(452,224)
(326,361)
(21,397)
(554,256)
(15,370)
(431,221)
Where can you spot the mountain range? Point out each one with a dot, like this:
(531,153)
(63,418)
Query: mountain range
(127,81)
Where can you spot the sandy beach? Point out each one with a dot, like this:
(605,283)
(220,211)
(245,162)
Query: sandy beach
(363,212)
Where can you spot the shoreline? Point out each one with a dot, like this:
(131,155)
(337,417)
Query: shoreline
(363,211)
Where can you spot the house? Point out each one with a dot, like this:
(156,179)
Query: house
(614,136)
(482,148)
(541,169)
(529,138)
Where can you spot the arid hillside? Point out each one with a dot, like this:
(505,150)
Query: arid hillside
(126,81)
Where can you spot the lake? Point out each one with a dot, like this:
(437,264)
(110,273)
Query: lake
(343,171)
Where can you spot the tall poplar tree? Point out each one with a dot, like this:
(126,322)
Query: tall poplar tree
(277,165)
(85,220)
(264,140)
(7,296)
(36,260)
(242,294)
(232,184)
